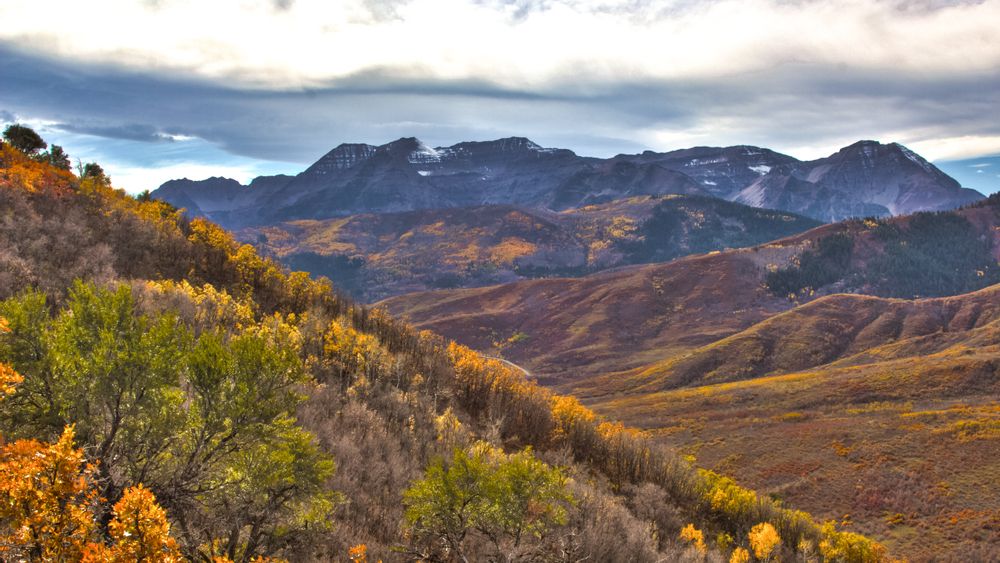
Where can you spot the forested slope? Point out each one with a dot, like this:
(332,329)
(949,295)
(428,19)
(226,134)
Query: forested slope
(374,256)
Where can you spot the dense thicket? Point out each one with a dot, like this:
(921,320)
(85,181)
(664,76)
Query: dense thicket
(695,224)
(271,417)
(925,255)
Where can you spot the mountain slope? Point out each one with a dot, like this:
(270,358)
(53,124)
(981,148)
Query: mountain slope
(866,178)
(579,327)
(374,256)
(899,395)
(863,179)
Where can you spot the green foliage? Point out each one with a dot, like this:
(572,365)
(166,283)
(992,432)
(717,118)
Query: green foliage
(94,171)
(205,422)
(509,499)
(694,225)
(934,254)
(57,157)
(925,255)
(816,268)
(24,139)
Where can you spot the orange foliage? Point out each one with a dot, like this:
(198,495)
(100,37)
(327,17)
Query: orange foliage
(46,500)
(139,531)
(694,536)
(19,171)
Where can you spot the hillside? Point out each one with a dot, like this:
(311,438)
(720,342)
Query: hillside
(573,328)
(728,355)
(269,416)
(374,256)
(898,395)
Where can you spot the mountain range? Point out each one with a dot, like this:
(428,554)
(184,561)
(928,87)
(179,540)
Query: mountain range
(402,217)
(864,179)
(211,405)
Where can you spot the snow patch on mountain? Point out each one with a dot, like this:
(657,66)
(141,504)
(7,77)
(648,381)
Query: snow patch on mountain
(917,159)
(424,155)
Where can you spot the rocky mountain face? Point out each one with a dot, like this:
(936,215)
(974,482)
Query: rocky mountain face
(863,179)
(866,178)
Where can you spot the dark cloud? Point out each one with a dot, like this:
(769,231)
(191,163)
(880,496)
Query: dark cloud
(7,117)
(130,132)
(787,106)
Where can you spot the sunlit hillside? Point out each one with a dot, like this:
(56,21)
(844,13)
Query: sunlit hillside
(216,406)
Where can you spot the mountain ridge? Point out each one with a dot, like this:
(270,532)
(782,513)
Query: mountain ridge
(405,175)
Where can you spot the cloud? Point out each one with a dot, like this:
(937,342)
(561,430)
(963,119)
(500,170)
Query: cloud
(132,131)
(981,165)
(290,45)
(284,81)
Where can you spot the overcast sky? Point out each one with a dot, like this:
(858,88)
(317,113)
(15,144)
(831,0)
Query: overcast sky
(159,89)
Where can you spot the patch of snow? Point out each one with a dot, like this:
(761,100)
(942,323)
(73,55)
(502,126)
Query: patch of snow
(424,172)
(423,155)
(704,161)
(916,158)
(761,169)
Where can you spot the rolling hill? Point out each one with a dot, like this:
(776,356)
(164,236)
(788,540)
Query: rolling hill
(573,328)
(889,404)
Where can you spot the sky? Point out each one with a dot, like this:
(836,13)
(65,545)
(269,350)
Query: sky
(162,89)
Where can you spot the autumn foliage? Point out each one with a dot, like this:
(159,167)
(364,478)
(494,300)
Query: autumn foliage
(196,411)
(49,509)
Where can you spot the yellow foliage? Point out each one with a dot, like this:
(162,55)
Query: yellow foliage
(764,539)
(848,546)
(212,307)
(695,537)
(356,352)
(726,497)
(510,249)
(8,380)
(740,555)
(205,232)
(449,428)
(139,531)
(567,412)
